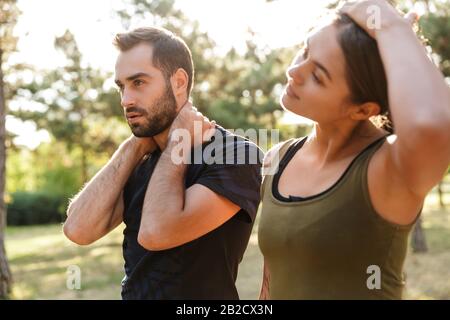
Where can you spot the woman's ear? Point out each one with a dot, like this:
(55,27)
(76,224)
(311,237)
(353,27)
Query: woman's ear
(364,111)
(179,82)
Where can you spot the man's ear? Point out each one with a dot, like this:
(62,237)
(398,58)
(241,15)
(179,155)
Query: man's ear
(364,111)
(179,81)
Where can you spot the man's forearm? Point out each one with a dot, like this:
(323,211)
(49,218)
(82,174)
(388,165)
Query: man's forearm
(90,212)
(164,199)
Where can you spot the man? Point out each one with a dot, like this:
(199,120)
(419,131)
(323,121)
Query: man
(187,224)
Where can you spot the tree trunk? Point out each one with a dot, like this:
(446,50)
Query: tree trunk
(419,243)
(427,6)
(441,195)
(84,161)
(83,165)
(5,274)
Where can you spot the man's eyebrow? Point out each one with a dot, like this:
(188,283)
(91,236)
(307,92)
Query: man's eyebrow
(318,64)
(133,77)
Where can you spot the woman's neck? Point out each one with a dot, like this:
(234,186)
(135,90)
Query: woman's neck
(331,143)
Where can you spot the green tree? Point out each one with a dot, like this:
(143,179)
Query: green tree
(247,86)
(77,109)
(238,90)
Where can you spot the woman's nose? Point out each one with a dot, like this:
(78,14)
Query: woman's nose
(295,72)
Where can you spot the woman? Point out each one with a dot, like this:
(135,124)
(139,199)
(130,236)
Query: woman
(337,213)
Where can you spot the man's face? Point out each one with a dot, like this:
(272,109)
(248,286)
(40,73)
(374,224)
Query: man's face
(146,96)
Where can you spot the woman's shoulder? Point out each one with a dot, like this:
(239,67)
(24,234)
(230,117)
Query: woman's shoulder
(275,154)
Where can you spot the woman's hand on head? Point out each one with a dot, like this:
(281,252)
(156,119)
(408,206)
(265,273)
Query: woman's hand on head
(375,15)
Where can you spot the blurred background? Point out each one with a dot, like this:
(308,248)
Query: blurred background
(61,120)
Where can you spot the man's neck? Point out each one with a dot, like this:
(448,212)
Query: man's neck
(162,138)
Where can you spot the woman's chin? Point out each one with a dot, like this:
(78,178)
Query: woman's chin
(286,104)
(290,108)
(284,101)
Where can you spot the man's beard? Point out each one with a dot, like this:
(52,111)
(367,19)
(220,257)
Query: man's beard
(165,111)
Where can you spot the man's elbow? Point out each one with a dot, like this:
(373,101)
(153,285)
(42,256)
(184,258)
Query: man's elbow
(152,241)
(73,234)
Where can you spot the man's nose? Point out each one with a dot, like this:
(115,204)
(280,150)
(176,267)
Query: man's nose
(127,100)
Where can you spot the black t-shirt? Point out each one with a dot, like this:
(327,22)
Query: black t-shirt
(205,268)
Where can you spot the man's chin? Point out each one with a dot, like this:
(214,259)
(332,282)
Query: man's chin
(139,132)
(140,135)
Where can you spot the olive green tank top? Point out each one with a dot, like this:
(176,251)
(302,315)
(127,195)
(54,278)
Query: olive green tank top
(333,245)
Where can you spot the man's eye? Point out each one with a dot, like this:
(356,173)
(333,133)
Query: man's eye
(138,82)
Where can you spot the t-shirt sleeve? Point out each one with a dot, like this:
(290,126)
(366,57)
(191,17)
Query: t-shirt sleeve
(239,180)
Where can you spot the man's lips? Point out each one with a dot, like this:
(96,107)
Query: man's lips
(133,115)
(291,92)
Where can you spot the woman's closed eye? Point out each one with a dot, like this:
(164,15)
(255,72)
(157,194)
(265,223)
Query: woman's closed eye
(317,78)
(314,74)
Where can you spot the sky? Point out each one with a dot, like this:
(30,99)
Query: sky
(280,23)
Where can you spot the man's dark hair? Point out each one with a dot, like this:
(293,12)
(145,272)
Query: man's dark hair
(170,52)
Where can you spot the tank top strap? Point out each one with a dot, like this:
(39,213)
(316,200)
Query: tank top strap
(272,162)
(358,167)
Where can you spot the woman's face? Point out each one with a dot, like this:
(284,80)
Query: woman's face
(317,87)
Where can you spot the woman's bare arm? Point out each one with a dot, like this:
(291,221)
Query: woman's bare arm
(265,289)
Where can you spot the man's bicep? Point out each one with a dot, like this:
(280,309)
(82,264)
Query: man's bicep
(211,207)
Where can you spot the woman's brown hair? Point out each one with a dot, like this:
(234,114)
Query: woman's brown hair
(364,68)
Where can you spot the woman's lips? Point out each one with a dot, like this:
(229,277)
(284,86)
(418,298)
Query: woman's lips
(291,92)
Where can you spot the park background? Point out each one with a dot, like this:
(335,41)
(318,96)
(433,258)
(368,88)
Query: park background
(61,119)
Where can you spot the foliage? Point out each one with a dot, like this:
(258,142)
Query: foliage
(28,208)
(84,117)
(75,106)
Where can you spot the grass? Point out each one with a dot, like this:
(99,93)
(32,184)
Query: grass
(39,257)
